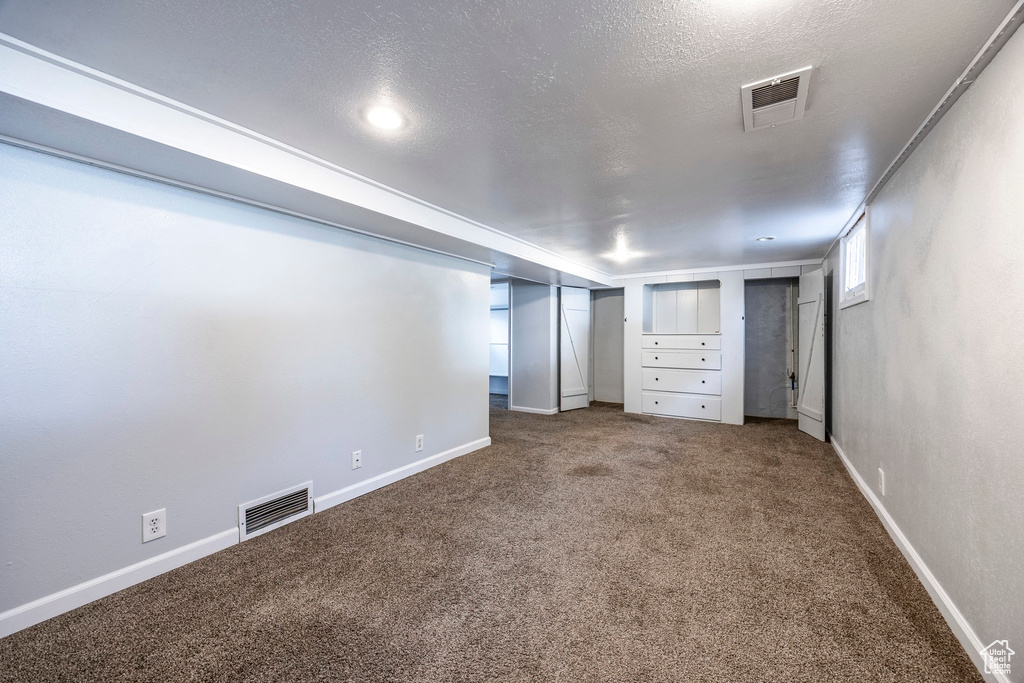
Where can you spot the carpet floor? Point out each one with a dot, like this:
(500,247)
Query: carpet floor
(585,546)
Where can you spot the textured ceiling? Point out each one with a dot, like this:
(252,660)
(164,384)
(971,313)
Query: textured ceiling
(568,123)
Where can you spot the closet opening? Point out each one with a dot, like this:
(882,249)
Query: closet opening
(607,308)
(500,341)
(771,372)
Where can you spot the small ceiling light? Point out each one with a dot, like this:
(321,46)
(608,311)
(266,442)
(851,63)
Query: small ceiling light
(622,252)
(384,117)
(765,239)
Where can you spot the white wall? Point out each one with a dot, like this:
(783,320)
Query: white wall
(534,373)
(632,336)
(161,348)
(734,343)
(929,374)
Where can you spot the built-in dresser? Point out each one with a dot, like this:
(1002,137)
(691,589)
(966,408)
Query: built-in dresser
(681,350)
(682,375)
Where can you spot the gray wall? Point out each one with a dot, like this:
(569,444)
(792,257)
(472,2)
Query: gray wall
(607,340)
(534,378)
(161,348)
(929,374)
(769,348)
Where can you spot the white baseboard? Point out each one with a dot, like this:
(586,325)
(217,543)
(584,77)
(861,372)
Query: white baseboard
(961,629)
(29,614)
(535,411)
(328,500)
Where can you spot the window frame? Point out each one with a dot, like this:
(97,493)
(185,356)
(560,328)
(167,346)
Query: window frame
(846,299)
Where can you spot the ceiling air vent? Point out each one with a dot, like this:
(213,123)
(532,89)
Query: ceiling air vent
(775,100)
(269,512)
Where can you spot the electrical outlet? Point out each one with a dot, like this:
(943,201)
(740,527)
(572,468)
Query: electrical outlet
(419,442)
(357,459)
(154,525)
(881,481)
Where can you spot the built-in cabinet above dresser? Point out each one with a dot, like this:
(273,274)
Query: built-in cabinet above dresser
(681,349)
(682,375)
(686,355)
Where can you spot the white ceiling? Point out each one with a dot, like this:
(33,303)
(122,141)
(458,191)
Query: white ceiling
(562,123)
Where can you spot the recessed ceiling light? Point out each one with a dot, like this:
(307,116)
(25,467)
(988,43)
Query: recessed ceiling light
(765,239)
(383,116)
(622,252)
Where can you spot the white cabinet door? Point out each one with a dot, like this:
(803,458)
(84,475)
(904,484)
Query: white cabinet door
(811,397)
(665,309)
(686,311)
(574,343)
(709,308)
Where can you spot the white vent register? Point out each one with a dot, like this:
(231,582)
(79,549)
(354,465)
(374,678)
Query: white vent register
(780,99)
(270,512)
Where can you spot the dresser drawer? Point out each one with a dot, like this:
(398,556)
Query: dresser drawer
(681,341)
(691,360)
(685,381)
(682,405)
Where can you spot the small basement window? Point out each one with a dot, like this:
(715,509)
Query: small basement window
(854,264)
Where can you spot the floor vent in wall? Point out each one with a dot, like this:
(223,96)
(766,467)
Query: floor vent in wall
(775,100)
(269,512)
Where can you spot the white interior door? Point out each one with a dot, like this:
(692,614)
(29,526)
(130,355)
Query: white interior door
(574,342)
(811,396)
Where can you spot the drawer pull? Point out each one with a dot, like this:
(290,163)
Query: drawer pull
(702,406)
(655,403)
(655,343)
(703,381)
(655,379)
(655,358)
(701,360)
